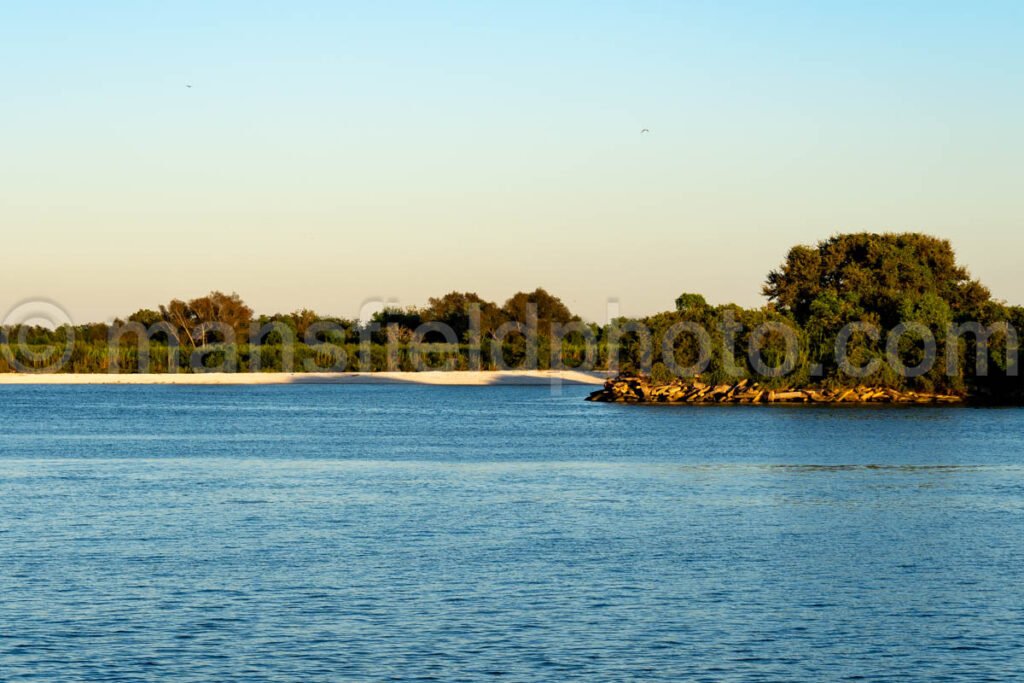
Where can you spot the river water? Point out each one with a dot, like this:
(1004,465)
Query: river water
(330,533)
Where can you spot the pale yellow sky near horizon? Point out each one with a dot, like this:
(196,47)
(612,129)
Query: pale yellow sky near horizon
(325,161)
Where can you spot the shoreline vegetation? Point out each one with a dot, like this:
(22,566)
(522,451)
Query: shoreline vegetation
(893,312)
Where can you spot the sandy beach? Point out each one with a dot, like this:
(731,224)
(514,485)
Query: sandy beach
(458,378)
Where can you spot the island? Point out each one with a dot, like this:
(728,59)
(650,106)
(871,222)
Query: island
(861,317)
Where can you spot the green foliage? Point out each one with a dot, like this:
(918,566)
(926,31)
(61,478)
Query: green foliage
(405,318)
(547,308)
(691,304)
(146,317)
(877,273)
(457,309)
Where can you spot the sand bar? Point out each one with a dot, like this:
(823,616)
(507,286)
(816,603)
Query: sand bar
(455,378)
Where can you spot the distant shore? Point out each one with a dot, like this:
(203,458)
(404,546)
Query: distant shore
(454,378)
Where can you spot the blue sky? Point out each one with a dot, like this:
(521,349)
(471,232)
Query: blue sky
(332,153)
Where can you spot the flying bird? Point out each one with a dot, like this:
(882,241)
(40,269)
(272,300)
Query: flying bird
(646,130)
(188,85)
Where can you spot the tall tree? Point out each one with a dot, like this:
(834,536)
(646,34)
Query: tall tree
(454,308)
(879,274)
(549,308)
(195,319)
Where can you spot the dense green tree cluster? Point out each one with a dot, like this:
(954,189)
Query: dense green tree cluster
(904,283)
(904,312)
(882,276)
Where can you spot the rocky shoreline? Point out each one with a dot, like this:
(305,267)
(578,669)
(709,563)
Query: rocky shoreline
(633,389)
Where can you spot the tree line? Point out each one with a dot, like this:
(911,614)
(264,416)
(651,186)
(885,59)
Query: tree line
(883,309)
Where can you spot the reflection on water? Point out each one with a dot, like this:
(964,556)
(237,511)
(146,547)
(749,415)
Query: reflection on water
(889,468)
(324,533)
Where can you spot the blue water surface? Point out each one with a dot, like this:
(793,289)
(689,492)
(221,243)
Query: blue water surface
(399,532)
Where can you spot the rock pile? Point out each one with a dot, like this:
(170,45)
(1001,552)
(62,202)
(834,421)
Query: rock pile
(631,389)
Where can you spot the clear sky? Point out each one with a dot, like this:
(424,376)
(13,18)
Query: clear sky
(329,153)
